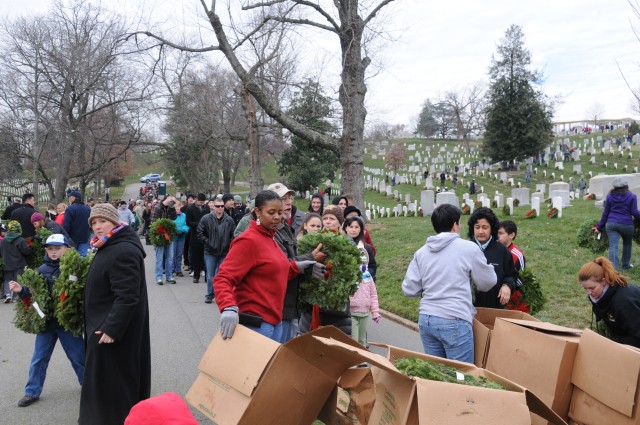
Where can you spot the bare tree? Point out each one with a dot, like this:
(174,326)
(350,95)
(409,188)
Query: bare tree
(466,108)
(349,21)
(396,157)
(207,130)
(594,112)
(67,66)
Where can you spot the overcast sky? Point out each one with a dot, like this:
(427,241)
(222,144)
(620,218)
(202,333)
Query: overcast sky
(444,45)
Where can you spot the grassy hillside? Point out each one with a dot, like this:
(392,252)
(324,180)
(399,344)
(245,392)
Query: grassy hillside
(548,244)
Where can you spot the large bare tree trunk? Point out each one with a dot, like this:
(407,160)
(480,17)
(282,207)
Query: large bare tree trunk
(351,96)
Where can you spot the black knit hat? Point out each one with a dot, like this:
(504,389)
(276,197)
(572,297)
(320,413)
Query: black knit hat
(351,209)
(226,197)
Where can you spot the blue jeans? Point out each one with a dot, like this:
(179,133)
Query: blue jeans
(82,248)
(616,231)
(164,260)
(448,338)
(212,265)
(270,331)
(45,343)
(289,330)
(177,256)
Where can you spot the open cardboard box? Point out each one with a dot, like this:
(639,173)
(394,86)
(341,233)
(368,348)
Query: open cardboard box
(437,403)
(250,379)
(605,376)
(537,355)
(483,324)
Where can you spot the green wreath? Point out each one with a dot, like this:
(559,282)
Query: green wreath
(36,258)
(343,270)
(27,318)
(529,297)
(636,231)
(68,291)
(162,232)
(587,238)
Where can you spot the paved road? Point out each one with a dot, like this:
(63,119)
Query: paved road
(182,326)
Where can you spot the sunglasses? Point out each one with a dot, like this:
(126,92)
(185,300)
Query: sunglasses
(218,206)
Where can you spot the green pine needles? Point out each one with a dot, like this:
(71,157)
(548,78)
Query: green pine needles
(343,270)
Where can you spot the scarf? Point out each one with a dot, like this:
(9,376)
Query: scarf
(97,242)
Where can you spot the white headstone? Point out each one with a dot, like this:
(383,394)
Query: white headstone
(562,194)
(541,187)
(557,202)
(427,201)
(499,198)
(510,205)
(535,204)
(447,198)
(522,195)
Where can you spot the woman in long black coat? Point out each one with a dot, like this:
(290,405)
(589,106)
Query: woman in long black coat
(118,354)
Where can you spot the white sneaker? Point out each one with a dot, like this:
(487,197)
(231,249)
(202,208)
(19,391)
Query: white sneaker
(191,273)
(7,300)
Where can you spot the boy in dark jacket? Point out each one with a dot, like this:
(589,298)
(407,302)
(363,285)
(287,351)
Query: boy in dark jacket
(73,346)
(14,252)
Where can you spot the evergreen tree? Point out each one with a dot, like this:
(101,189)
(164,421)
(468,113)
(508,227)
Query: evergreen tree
(518,121)
(306,164)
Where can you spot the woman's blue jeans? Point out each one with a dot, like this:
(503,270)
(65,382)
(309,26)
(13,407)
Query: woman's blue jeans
(177,255)
(615,232)
(270,331)
(448,338)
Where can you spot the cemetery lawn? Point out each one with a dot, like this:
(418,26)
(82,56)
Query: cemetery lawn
(549,245)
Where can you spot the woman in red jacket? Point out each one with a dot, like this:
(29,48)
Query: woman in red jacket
(252,281)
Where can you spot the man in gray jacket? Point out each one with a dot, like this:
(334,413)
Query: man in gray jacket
(442,272)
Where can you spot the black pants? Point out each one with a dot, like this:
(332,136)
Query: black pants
(197,257)
(187,242)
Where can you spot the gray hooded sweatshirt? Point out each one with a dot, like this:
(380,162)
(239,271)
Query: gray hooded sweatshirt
(442,272)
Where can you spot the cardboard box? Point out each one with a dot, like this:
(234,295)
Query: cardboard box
(483,324)
(437,403)
(356,396)
(605,375)
(250,379)
(537,355)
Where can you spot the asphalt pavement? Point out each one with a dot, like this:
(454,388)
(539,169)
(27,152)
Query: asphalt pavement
(181,326)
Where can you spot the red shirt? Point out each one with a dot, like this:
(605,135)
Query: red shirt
(254,275)
(518,257)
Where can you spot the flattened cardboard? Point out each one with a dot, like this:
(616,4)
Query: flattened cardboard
(483,324)
(608,384)
(430,392)
(537,355)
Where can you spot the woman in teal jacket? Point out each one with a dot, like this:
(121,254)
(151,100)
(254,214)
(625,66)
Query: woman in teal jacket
(181,235)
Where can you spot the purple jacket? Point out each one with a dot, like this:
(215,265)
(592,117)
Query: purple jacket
(619,208)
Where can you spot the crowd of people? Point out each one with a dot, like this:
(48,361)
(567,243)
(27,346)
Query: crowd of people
(253,271)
